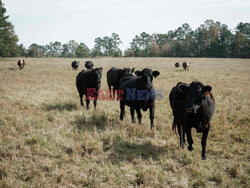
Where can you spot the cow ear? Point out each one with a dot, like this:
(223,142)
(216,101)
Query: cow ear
(101,69)
(138,73)
(183,87)
(156,73)
(133,70)
(206,89)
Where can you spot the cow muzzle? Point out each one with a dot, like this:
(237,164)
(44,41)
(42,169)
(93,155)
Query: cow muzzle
(149,87)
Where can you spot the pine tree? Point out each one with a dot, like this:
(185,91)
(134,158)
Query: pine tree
(8,39)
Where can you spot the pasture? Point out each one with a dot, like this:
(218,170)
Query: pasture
(47,139)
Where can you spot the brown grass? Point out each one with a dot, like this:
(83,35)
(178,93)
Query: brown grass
(47,139)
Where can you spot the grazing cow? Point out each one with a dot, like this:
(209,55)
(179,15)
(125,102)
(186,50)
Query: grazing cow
(193,106)
(88,83)
(138,93)
(186,65)
(75,65)
(177,64)
(21,63)
(114,77)
(89,65)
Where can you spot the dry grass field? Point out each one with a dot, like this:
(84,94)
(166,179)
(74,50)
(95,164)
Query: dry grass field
(48,140)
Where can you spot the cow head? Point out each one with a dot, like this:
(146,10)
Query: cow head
(147,77)
(89,64)
(125,69)
(97,74)
(196,92)
(133,70)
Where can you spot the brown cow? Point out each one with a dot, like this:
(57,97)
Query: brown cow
(186,65)
(21,63)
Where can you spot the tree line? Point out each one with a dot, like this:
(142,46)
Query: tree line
(210,39)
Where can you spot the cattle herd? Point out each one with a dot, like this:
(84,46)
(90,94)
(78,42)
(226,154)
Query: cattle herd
(193,104)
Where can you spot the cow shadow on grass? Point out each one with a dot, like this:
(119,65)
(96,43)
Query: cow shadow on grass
(97,120)
(179,70)
(128,151)
(12,69)
(68,106)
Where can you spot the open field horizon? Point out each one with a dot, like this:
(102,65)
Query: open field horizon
(47,139)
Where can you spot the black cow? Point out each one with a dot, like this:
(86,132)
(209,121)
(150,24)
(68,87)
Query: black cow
(89,65)
(75,65)
(138,93)
(114,77)
(177,64)
(193,106)
(88,83)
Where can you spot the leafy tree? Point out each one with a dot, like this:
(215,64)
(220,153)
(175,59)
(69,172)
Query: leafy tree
(160,39)
(240,46)
(142,44)
(205,35)
(155,50)
(221,46)
(244,28)
(175,49)
(53,49)
(107,46)
(171,35)
(33,50)
(97,50)
(8,39)
(21,51)
(82,50)
(72,46)
(189,47)
(65,51)
(36,50)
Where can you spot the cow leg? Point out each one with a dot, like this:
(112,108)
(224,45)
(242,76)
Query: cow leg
(81,95)
(132,112)
(138,112)
(114,93)
(109,91)
(122,109)
(189,139)
(180,132)
(95,100)
(87,102)
(151,115)
(183,136)
(204,142)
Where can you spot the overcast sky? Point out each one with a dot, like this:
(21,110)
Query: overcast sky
(44,21)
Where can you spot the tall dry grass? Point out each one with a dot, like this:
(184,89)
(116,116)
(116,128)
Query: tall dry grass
(47,139)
